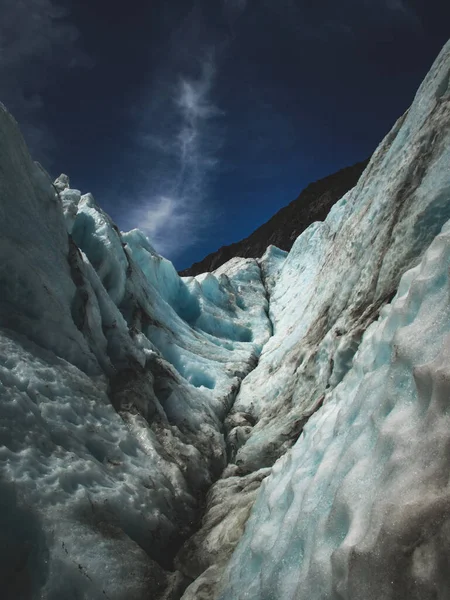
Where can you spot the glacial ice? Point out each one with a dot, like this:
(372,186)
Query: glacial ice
(359,508)
(271,263)
(314,383)
(115,378)
(339,273)
(91,491)
(327,292)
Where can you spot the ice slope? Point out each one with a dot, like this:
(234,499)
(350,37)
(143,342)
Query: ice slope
(359,508)
(323,296)
(82,496)
(339,273)
(271,264)
(115,378)
(34,247)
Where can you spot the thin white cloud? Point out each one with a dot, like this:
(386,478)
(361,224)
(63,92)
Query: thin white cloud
(177,127)
(173,209)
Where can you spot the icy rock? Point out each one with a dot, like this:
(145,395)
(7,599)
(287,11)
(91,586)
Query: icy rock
(62,183)
(206,553)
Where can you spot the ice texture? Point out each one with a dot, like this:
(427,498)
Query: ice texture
(82,496)
(322,298)
(358,508)
(271,264)
(115,378)
(339,273)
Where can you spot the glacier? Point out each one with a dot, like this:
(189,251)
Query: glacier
(277,428)
(115,378)
(359,508)
(334,284)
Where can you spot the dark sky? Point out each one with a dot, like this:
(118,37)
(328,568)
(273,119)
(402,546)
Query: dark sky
(196,120)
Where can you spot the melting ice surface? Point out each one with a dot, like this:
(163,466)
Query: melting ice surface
(321,376)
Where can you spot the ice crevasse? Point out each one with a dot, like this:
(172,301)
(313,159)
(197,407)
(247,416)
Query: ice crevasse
(309,391)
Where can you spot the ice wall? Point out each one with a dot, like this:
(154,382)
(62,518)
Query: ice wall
(323,297)
(359,507)
(115,378)
(340,272)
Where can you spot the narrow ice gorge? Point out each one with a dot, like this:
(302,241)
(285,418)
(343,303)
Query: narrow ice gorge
(145,417)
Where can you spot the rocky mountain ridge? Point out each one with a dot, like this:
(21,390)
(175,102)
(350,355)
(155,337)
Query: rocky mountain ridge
(281,230)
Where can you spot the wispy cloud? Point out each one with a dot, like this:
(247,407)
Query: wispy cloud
(178,127)
(173,209)
(35,36)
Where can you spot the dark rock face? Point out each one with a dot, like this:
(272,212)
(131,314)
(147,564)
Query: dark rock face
(313,204)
